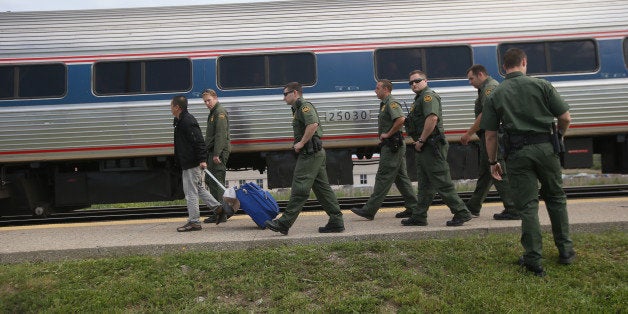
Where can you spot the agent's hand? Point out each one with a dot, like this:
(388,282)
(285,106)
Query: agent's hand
(418,145)
(216,160)
(465,139)
(298,146)
(496,171)
(203,165)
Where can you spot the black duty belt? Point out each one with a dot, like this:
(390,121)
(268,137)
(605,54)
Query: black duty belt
(530,139)
(537,139)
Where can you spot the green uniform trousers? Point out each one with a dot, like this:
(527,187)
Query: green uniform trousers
(310,174)
(433,176)
(220,172)
(392,169)
(485,180)
(528,166)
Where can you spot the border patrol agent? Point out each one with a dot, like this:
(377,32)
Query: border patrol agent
(392,161)
(479,78)
(526,107)
(425,125)
(310,172)
(217,141)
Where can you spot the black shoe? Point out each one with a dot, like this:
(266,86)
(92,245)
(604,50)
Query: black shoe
(536,270)
(331,229)
(458,221)
(221,214)
(506,216)
(274,225)
(212,219)
(404,214)
(413,222)
(360,212)
(567,258)
(190,226)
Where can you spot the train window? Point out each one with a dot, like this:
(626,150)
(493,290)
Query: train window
(262,71)
(178,72)
(438,62)
(33,81)
(556,56)
(626,51)
(7,82)
(142,76)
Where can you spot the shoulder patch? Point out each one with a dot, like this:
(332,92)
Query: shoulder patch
(427,98)
(383,108)
(394,105)
(488,92)
(222,116)
(211,119)
(305,109)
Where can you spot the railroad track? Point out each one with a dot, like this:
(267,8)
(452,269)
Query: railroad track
(345,203)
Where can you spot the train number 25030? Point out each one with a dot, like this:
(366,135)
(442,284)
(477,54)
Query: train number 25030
(348,115)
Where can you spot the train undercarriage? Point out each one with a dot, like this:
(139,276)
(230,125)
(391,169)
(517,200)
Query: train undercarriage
(43,187)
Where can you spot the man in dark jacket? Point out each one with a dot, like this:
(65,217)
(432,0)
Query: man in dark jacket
(190,153)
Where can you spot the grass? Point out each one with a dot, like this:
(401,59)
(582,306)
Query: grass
(474,274)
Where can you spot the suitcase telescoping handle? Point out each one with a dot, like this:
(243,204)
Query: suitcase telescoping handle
(215,180)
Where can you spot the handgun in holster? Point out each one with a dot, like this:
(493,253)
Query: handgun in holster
(434,141)
(312,146)
(394,142)
(558,143)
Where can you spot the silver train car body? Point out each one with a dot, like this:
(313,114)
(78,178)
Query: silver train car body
(48,143)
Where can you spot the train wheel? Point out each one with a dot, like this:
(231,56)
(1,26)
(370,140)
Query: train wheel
(41,210)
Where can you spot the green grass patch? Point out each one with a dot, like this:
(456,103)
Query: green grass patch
(475,274)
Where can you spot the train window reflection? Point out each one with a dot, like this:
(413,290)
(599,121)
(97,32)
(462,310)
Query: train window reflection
(438,62)
(556,56)
(263,71)
(142,76)
(33,81)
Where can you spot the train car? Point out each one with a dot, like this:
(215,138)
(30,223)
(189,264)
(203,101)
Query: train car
(84,95)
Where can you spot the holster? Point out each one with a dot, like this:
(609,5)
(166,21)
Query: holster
(557,140)
(434,141)
(503,143)
(314,145)
(558,143)
(394,142)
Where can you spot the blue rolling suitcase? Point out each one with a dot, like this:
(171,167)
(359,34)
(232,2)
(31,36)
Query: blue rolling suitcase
(257,203)
(254,201)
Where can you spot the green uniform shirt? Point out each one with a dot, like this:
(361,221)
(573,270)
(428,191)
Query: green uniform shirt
(217,137)
(487,87)
(303,114)
(426,102)
(389,110)
(524,105)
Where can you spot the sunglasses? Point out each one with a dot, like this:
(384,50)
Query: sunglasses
(415,81)
(288,92)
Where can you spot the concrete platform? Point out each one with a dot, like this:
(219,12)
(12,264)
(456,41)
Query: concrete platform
(150,237)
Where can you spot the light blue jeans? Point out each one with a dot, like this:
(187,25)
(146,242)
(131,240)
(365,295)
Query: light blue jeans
(193,188)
